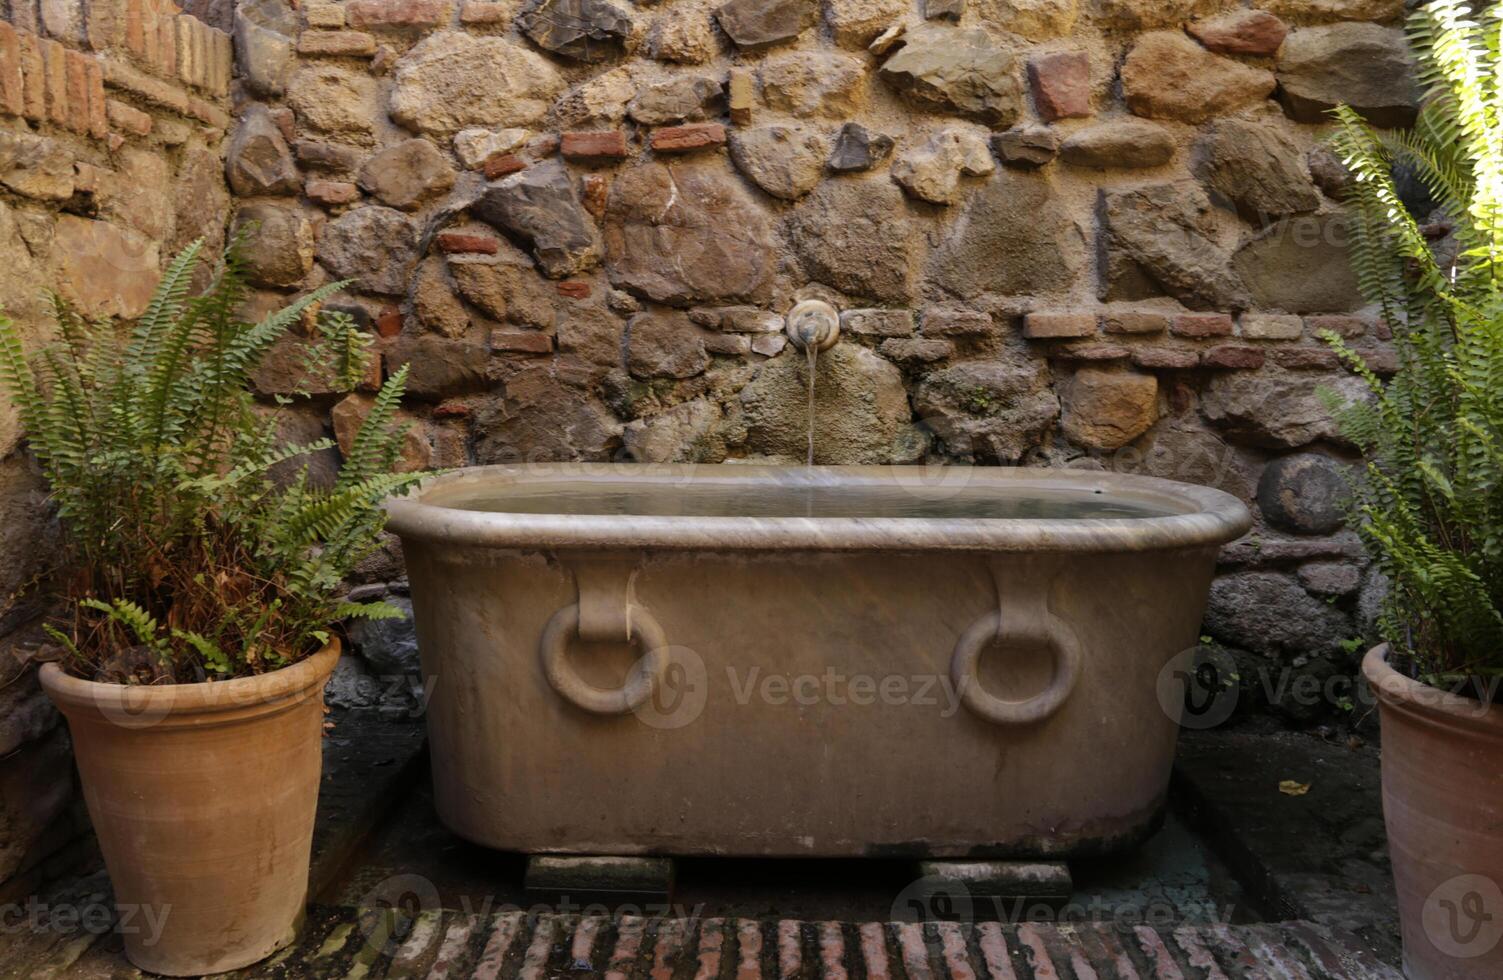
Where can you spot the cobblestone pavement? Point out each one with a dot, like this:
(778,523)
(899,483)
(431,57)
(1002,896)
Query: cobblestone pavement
(439,945)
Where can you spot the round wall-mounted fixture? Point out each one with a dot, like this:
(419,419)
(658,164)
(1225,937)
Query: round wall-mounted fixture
(813,323)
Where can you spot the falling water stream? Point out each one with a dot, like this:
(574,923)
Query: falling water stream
(811,351)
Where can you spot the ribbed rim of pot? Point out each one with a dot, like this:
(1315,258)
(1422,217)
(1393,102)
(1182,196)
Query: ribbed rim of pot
(1200,516)
(145,706)
(1429,703)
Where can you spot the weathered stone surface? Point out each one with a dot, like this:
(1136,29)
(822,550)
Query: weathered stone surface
(348,416)
(279,243)
(856,236)
(257,158)
(1301,265)
(585,30)
(1274,407)
(665,344)
(677,99)
(407,175)
(477,144)
(1244,32)
(753,24)
(326,156)
(1313,11)
(505,286)
(1037,20)
(102,269)
(1137,15)
(686,234)
(36,166)
(1107,409)
(858,148)
(540,206)
(1363,65)
(439,367)
(807,83)
(1161,230)
(453,79)
(988,411)
(1124,144)
(1014,238)
(30,541)
(1305,493)
(683,35)
(544,416)
(1271,326)
(786,161)
(1184,449)
(1061,83)
(859,401)
(36,786)
(854,23)
(1329,579)
(686,433)
(1270,614)
(434,302)
(1258,168)
(264,53)
(373,245)
(333,99)
(1169,76)
(963,71)
(932,172)
(598,102)
(1027,146)
(1328,171)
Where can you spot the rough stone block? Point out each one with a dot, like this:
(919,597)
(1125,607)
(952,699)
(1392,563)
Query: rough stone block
(1271,326)
(486,12)
(957,323)
(326,15)
(331,192)
(877,323)
(521,342)
(1339,324)
(354,44)
(396,13)
(741,95)
(910,351)
(127,117)
(460,243)
(1166,358)
(1307,359)
(1135,322)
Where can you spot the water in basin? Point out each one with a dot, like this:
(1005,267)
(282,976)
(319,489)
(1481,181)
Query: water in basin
(749,499)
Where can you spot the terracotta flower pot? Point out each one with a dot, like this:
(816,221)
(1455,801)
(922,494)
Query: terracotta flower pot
(1443,805)
(203,798)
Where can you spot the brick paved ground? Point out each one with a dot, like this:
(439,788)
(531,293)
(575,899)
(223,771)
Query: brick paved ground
(439,945)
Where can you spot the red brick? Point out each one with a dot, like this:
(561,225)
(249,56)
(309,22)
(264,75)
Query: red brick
(1306,358)
(574,289)
(395,13)
(99,123)
(33,78)
(1232,356)
(607,144)
(452,410)
(135,27)
(78,91)
(1090,352)
(956,323)
(331,191)
(1043,326)
(166,42)
(1253,32)
(1202,325)
(459,243)
(501,164)
(682,139)
(356,44)
(521,341)
(1061,83)
(205,111)
(1342,325)
(1134,322)
(1165,358)
(11,100)
(389,321)
(127,117)
(593,193)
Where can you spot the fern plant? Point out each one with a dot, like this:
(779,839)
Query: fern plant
(186,560)
(1429,502)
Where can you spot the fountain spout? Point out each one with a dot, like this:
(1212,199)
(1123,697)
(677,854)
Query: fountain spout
(813,325)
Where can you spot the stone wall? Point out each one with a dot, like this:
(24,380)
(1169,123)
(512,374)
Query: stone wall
(112,119)
(1065,232)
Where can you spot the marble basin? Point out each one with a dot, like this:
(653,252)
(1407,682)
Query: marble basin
(825,661)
